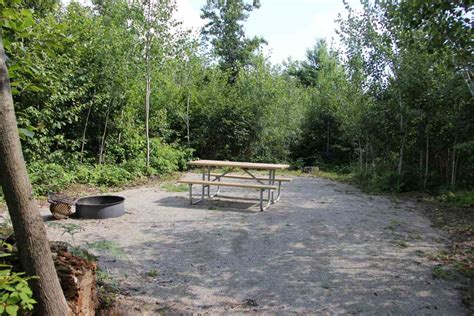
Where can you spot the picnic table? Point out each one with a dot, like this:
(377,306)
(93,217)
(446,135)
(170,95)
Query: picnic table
(269,183)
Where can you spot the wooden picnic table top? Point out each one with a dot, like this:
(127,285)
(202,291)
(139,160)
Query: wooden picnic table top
(237,164)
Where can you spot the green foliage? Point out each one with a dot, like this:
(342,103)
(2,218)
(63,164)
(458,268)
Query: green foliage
(108,246)
(172,187)
(458,198)
(68,228)
(224,30)
(394,104)
(15,293)
(49,177)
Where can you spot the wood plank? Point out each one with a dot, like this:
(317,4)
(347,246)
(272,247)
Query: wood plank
(237,164)
(236,176)
(229,184)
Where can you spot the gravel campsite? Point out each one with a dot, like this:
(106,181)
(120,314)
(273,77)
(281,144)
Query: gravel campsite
(325,248)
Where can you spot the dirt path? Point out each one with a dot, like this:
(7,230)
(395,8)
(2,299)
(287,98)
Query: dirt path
(326,247)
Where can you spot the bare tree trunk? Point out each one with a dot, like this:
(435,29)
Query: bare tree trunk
(426,160)
(420,167)
(84,132)
(187,122)
(373,158)
(366,156)
(102,142)
(327,141)
(121,123)
(402,141)
(30,233)
(148,85)
(453,168)
(147,118)
(360,157)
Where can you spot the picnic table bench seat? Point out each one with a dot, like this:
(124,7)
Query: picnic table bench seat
(205,183)
(244,177)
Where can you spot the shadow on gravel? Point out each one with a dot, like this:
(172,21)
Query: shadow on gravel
(181,203)
(279,264)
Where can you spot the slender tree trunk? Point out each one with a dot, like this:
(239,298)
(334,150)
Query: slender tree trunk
(30,233)
(373,158)
(453,167)
(84,132)
(187,122)
(121,123)
(366,156)
(456,166)
(402,141)
(360,157)
(147,118)
(420,168)
(427,156)
(102,142)
(148,85)
(327,141)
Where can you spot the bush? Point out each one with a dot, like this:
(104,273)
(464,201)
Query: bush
(109,175)
(53,177)
(49,177)
(15,294)
(168,158)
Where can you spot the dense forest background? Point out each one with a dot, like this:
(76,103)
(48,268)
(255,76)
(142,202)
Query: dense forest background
(112,92)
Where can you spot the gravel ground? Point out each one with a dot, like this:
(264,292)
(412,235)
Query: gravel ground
(324,248)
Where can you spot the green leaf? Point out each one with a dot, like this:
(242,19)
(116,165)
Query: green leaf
(12,310)
(25,132)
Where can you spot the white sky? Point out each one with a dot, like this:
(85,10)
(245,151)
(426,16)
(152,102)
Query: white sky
(289,26)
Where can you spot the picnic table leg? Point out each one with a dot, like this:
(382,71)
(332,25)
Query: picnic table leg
(190,194)
(203,186)
(279,192)
(262,207)
(209,179)
(271,181)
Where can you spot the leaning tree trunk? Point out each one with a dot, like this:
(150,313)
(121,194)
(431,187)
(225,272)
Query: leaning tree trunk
(102,142)
(83,142)
(33,246)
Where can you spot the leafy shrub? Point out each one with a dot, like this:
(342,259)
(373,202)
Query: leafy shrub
(168,158)
(49,177)
(15,294)
(109,175)
(136,167)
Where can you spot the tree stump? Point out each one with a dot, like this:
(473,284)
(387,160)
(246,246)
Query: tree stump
(78,281)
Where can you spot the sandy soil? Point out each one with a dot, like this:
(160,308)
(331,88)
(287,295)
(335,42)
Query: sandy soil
(324,248)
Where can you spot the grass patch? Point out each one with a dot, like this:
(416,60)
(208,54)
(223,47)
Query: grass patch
(401,243)
(442,273)
(335,176)
(153,273)
(108,246)
(459,199)
(172,187)
(394,224)
(107,289)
